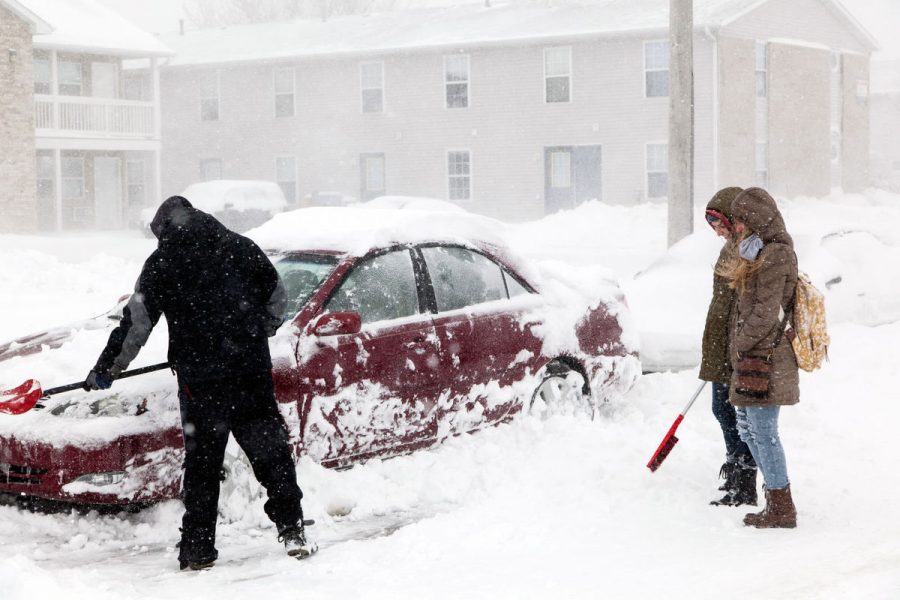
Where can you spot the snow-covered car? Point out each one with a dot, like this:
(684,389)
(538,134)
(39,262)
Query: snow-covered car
(239,204)
(404,328)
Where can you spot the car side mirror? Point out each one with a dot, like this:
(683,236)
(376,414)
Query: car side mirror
(337,323)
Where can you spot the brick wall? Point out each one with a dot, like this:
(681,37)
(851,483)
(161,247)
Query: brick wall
(18,213)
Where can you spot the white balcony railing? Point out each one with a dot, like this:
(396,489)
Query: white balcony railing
(80,116)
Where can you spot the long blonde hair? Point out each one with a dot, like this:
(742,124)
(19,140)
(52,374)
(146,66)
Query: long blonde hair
(737,269)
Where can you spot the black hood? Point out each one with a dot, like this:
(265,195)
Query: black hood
(176,210)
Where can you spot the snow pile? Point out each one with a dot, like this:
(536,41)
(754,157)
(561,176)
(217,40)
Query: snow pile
(561,508)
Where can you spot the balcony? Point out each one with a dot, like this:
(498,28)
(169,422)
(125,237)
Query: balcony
(88,117)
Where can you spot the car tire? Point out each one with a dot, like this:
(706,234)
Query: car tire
(561,392)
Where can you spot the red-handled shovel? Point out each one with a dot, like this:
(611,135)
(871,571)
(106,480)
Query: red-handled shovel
(23,398)
(670,440)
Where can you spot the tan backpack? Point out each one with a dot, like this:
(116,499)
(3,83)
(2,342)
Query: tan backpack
(809,331)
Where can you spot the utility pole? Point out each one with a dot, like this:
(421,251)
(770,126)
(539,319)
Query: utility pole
(681,119)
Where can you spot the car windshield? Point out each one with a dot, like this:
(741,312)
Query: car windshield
(302,275)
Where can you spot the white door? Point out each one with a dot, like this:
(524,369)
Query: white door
(103,80)
(107,192)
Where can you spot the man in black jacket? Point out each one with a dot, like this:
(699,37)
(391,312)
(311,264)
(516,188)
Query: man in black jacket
(222,299)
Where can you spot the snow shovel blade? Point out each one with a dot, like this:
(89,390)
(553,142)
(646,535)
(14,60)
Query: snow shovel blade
(662,452)
(23,398)
(20,399)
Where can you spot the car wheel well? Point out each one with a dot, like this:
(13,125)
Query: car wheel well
(562,364)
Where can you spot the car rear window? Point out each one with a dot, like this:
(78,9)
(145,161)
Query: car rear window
(302,275)
(461,277)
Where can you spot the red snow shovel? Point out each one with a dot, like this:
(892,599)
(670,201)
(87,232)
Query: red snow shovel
(670,440)
(23,398)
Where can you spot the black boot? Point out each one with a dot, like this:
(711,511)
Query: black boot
(729,473)
(740,487)
(296,542)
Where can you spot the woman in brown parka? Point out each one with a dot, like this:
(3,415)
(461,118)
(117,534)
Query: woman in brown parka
(739,469)
(764,276)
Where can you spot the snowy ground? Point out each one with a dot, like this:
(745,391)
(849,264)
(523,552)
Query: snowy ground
(556,509)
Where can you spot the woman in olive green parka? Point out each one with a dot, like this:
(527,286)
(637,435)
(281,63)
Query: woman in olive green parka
(739,469)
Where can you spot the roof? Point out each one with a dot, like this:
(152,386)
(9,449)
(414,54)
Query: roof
(38,25)
(86,26)
(450,26)
(356,229)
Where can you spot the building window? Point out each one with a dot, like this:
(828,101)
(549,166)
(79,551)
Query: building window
(456,80)
(210,169)
(134,179)
(459,173)
(371,77)
(44,168)
(557,74)
(70,78)
(133,87)
(762,67)
(656,69)
(561,169)
(657,170)
(42,77)
(284,92)
(286,176)
(209,96)
(761,165)
(371,172)
(72,177)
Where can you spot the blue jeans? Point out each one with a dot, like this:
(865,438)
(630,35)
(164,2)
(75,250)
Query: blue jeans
(758,426)
(736,450)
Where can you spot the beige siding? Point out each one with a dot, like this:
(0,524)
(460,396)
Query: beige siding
(737,111)
(855,122)
(812,21)
(799,120)
(506,126)
(18,212)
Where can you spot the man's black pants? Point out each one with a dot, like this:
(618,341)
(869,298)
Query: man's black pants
(245,407)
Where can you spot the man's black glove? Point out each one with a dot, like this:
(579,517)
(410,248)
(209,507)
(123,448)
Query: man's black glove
(98,380)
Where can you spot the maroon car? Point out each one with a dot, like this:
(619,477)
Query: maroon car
(404,328)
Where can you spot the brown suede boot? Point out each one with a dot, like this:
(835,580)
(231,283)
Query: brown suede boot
(778,513)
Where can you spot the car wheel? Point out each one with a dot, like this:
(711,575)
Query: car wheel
(561,392)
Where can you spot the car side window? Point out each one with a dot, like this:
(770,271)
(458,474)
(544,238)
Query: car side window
(378,288)
(461,277)
(513,285)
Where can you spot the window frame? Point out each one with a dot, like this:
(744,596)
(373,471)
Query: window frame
(364,88)
(209,161)
(647,171)
(467,82)
(365,191)
(451,176)
(761,68)
(648,70)
(276,93)
(201,98)
(131,185)
(59,77)
(40,57)
(569,76)
(64,177)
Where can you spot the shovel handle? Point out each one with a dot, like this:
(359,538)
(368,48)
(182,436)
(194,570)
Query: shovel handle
(80,384)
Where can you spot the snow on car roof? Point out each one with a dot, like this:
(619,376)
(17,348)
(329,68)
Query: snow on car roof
(359,228)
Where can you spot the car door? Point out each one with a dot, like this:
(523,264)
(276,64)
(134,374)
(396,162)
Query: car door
(372,392)
(486,343)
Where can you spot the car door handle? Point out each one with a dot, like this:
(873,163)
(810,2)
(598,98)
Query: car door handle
(416,342)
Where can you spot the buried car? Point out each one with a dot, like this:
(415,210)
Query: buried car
(404,328)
